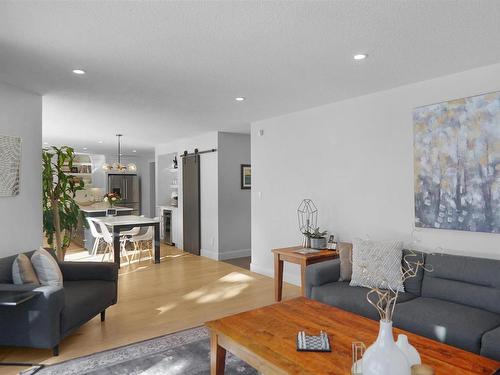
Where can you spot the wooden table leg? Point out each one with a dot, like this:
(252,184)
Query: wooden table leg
(217,356)
(278,278)
(157,242)
(303,279)
(116,244)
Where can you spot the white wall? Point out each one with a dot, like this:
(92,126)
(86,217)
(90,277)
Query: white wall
(355,160)
(21,216)
(208,189)
(166,178)
(234,203)
(143,172)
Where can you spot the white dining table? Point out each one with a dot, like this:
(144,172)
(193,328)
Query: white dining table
(127,222)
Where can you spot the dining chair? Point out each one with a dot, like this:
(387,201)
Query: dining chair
(96,234)
(108,238)
(140,239)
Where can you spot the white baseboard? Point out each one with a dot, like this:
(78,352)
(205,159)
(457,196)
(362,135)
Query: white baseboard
(235,254)
(212,254)
(289,277)
(218,255)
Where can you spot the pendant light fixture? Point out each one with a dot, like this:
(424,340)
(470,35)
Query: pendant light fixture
(118,166)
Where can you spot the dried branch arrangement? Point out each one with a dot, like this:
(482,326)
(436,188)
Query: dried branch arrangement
(384,300)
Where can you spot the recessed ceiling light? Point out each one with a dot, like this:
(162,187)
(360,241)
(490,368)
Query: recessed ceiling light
(99,141)
(240,98)
(134,150)
(79,71)
(85,148)
(360,56)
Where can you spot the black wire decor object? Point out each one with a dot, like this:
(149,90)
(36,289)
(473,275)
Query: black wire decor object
(307,215)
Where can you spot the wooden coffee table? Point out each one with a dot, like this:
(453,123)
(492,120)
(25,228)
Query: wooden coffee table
(290,254)
(265,338)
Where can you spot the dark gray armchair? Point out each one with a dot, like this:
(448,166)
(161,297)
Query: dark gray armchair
(42,322)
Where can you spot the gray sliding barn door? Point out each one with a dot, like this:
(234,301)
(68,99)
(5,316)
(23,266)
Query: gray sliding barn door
(191,204)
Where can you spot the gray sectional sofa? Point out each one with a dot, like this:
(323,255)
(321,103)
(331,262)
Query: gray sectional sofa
(42,322)
(457,302)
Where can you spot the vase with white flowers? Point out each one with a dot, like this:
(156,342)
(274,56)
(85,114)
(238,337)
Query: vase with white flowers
(112,198)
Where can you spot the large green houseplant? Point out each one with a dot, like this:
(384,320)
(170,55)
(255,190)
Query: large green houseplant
(60,210)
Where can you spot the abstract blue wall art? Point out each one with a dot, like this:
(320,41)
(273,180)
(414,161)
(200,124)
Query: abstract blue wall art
(457,164)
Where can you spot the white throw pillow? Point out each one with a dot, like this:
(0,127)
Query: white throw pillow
(23,272)
(377,264)
(46,268)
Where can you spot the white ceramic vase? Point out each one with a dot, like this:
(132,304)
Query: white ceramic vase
(384,357)
(409,350)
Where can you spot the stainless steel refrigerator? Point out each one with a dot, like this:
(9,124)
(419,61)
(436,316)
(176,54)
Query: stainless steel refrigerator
(128,186)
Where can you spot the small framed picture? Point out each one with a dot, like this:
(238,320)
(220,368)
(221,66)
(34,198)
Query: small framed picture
(246,176)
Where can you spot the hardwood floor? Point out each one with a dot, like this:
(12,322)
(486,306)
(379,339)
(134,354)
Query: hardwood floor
(183,291)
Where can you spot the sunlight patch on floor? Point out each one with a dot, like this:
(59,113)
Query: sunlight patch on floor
(222,294)
(236,277)
(166,308)
(126,272)
(226,287)
(174,256)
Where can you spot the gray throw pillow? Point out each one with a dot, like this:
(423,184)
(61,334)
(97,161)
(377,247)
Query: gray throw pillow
(377,264)
(46,268)
(345,255)
(23,272)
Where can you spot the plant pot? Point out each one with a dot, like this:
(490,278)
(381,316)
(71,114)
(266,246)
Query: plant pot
(318,243)
(384,357)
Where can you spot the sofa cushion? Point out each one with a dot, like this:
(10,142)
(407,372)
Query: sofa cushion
(465,280)
(451,323)
(490,344)
(6,267)
(46,268)
(23,272)
(377,264)
(350,298)
(345,255)
(84,300)
(413,285)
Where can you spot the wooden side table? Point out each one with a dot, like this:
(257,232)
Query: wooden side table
(289,254)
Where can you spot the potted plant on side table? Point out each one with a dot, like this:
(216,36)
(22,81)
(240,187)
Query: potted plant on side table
(316,238)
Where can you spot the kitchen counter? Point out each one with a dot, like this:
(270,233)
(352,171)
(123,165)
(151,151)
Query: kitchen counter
(168,207)
(102,207)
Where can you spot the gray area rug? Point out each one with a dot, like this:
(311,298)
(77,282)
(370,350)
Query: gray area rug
(185,352)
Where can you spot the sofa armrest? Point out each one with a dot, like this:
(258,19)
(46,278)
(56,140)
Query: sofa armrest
(36,322)
(76,271)
(322,273)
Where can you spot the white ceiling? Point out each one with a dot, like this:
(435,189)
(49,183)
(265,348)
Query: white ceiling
(157,71)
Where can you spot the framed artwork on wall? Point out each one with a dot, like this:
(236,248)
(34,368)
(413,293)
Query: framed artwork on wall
(246,176)
(10,165)
(457,164)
